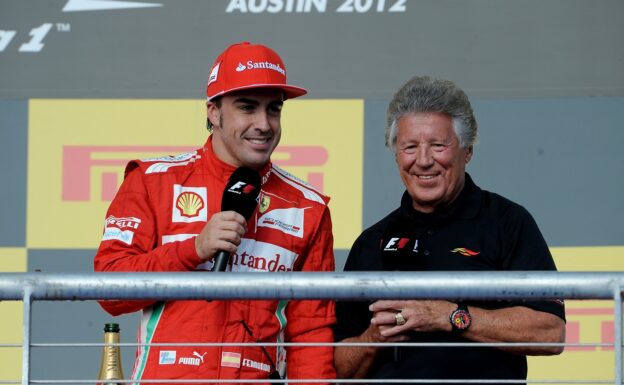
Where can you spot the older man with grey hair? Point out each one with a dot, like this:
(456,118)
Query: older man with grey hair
(444,223)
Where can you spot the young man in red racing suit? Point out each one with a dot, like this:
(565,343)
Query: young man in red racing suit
(167,217)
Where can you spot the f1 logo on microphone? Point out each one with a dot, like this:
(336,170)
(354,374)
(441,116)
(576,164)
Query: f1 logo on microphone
(395,244)
(241,188)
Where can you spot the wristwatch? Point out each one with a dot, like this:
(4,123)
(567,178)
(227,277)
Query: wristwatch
(460,319)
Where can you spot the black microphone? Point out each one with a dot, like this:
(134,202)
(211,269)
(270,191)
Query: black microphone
(240,194)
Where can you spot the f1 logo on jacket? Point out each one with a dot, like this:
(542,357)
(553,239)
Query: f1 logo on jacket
(396,244)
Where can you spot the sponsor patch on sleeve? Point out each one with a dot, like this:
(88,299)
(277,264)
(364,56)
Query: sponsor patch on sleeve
(120,229)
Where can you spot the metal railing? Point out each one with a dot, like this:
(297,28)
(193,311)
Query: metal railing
(529,285)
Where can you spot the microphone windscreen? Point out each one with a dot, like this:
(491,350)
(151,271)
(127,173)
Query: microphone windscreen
(241,192)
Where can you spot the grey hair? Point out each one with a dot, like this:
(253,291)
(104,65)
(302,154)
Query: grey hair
(425,94)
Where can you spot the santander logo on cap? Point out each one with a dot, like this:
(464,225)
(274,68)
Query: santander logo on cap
(246,66)
(262,65)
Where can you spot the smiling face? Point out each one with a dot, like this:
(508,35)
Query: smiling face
(246,126)
(431,162)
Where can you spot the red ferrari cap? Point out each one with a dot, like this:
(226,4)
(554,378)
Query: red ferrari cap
(243,66)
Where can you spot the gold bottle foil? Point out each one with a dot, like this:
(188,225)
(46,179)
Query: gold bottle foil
(110,366)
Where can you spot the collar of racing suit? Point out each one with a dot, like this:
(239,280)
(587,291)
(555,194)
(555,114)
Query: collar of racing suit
(223,170)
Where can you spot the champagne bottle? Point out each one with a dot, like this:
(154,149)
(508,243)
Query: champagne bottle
(110,367)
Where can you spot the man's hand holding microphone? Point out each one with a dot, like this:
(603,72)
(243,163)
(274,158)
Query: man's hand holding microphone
(224,231)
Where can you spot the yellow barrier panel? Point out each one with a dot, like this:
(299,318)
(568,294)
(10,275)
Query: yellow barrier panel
(587,322)
(12,260)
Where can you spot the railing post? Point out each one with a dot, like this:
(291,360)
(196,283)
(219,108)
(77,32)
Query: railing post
(617,340)
(26,336)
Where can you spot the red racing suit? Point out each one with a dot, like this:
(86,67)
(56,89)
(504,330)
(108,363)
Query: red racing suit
(151,225)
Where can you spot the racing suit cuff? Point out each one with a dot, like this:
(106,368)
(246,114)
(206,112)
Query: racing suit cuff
(187,254)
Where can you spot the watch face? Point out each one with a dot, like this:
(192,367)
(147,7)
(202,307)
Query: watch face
(460,319)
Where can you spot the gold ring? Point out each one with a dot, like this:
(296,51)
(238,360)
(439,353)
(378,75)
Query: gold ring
(400,320)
